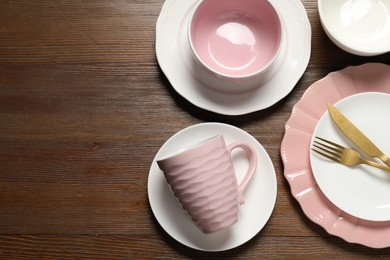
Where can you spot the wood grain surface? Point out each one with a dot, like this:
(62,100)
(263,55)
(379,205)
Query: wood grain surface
(84,107)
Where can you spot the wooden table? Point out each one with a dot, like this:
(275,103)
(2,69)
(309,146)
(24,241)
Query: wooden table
(84,107)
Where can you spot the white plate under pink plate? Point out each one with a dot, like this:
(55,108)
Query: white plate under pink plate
(295,152)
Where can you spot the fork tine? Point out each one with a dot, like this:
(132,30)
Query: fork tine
(331,143)
(327,149)
(333,158)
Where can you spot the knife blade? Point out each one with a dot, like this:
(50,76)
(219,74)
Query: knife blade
(356,136)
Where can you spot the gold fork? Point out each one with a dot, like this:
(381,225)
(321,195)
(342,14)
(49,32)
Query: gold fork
(341,154)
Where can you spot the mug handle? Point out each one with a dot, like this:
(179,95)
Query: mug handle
(251,153)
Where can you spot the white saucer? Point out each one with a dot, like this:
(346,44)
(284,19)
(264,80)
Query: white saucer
(174,57)
(361,191)
(260,195)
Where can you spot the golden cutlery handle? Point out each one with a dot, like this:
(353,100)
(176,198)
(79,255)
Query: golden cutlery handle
(385,159)
(377,165)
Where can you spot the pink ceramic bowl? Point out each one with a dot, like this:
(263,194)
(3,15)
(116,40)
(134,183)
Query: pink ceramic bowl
(235,40)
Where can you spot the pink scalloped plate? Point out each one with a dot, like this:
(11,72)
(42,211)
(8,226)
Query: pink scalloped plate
(295,152)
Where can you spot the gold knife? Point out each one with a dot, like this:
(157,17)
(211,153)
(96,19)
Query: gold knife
(356,136)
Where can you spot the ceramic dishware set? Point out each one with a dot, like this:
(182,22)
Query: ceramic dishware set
(212,186)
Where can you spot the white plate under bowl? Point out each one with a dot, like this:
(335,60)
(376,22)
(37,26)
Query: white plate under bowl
(260,196)
(361,191)
(360,27)
(176,61)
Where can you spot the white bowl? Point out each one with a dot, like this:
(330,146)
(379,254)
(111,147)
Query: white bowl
(360,27)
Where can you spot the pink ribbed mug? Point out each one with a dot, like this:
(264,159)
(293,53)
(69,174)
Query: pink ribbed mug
(203,180)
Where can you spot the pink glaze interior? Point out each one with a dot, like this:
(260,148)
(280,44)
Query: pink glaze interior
(236,38)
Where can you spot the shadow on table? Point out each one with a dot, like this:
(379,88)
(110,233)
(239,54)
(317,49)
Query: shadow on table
(209,116)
